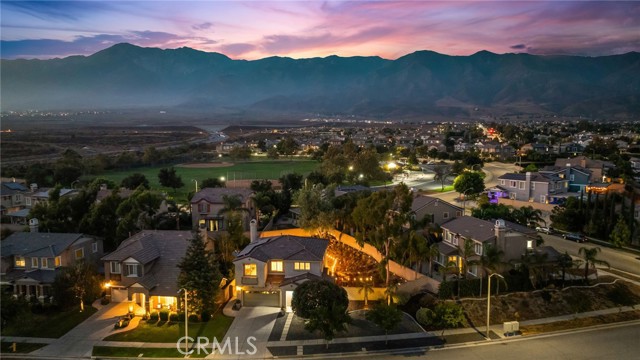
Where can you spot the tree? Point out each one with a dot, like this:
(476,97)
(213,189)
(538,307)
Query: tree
(590,257)
(324,305)
(240,153)
(527,215)
(79,282)
(135,180)
(444,316)
(621,235)
(490,261)
(431,252)
(169,178)
(316,209)
(212,183)
(290,183)
(199,275)
(388,317)
(565,262)
(272,153)
(151,156)
(441,173)
(366,287)
(469,183)
(287,146)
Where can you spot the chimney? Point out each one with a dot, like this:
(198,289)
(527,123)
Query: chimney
(33,225)
(34,187)
(528,176)
(253,227)
(500,230)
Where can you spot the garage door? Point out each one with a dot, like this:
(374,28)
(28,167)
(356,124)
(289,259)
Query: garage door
(119,295)
(256,298)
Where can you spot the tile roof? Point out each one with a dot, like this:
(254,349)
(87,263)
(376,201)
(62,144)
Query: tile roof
(286,247)
(471,228)
(216,195)
(41,276)
(38,244)
(423,200)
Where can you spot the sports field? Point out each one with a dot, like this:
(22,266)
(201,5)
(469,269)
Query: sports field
(250,170)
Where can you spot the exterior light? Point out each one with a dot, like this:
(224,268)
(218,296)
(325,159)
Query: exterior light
(238,288)
(222,178)
(107,284)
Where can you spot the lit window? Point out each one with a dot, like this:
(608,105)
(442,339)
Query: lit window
(94,247)
(277,266)
(529,244)
(34,262)
(302,266)
(20,261)
(58,261)
(79,253)
(250,270)
(115,267)
(44,262)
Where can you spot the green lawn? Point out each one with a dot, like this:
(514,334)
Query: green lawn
(21,348)
(130,352)
(51,325)
(263,169)
(169,332)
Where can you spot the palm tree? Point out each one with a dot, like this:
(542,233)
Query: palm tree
(564,262)
(590,257)
(536,266)
(465,252)
(490,261)
(431,252)
(415,245)
(528,215)
(390,291)
(366,288)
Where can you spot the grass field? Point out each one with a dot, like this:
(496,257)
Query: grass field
(52,325)
(170,332)
(263,169)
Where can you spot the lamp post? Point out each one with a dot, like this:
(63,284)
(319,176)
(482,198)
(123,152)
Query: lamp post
(195,181)
(186,321)
(489,300)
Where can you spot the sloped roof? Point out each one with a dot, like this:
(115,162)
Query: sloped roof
(535,177)
(216,195)
(286,247)
(38,244)
(41,276)
(421,201)
(471,228)
(10,188)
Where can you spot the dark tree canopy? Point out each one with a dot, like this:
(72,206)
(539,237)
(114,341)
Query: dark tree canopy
(200,276)
(324,305)
(134,180)
(170,179)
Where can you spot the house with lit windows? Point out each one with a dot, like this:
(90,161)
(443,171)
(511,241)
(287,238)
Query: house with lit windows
(144,268)
(31,260)
(512,239)
(269,269)
(208,203)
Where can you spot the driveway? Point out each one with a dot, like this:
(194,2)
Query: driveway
(254,322)
(80,340)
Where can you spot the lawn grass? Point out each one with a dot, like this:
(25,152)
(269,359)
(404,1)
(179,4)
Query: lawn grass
(50,325)
(263,169)
(109,351)
(170,332)
(21,348)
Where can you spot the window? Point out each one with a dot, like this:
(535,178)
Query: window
(529,244)
(277,266)
(513,183)
(203,207)
(521,185)
(44,262)
(512,196)
(27,201)
(458,213)
(79,253)
(572,177)
(533,186)
(250,270)
(445,215)
(58,261)
(473,270)
(20,261)
(115,267)
(34,262)
(133,270)
(502,182)
(302,266)
(543,199)
(478,248)
(94,247)
(455,239)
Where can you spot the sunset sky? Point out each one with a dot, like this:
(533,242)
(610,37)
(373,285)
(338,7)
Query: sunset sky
(302,29)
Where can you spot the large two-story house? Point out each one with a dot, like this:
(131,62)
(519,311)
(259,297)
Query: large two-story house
(533,186)
(12,195)
(144,268)
(512,239)
(269,269)
(31,260)
(437,210)
(208,203)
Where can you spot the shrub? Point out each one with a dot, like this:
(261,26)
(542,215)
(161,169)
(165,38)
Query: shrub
(546,296)
(194,318)
(205,316)
(424,316)
(173,317)
(181,316)
(621,295)
(445,315)
(153,316)
(164,315)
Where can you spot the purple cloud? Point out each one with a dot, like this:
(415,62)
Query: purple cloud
(203,26)
(518,47)
(235,50)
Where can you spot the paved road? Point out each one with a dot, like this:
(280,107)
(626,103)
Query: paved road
(614,342)
(618,259)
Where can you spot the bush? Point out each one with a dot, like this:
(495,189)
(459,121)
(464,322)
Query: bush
(181,316)
(153,316)
(621,295)
(174,317)
(546,296)
(445,315)
(194,318)
(164,315)
(424,316)
(205,316)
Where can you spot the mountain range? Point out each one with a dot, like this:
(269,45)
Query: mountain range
(419,84)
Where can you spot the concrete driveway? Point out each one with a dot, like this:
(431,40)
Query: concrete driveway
(80,340)
(254,322)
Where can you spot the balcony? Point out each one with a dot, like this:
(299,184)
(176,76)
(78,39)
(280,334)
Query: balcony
(249,280)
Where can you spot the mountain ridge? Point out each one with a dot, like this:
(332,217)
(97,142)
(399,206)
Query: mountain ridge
(421,83)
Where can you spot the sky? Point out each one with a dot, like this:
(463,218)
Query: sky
(303,29)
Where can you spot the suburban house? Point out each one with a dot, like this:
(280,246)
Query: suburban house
(143,269)
(533,186)
(269,269)
(578,177)
(513,239)
(37,196)
(31,260)
(598,168)
(208,203)
(12,195)
(438,211)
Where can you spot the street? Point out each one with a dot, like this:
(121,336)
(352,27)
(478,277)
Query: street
(608,342)
(618,259)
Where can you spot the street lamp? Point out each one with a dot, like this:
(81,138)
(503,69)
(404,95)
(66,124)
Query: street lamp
(186,321)
(489,299)
(196,181)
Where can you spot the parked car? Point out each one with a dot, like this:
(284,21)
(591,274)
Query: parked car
(574,237)
(544,229)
